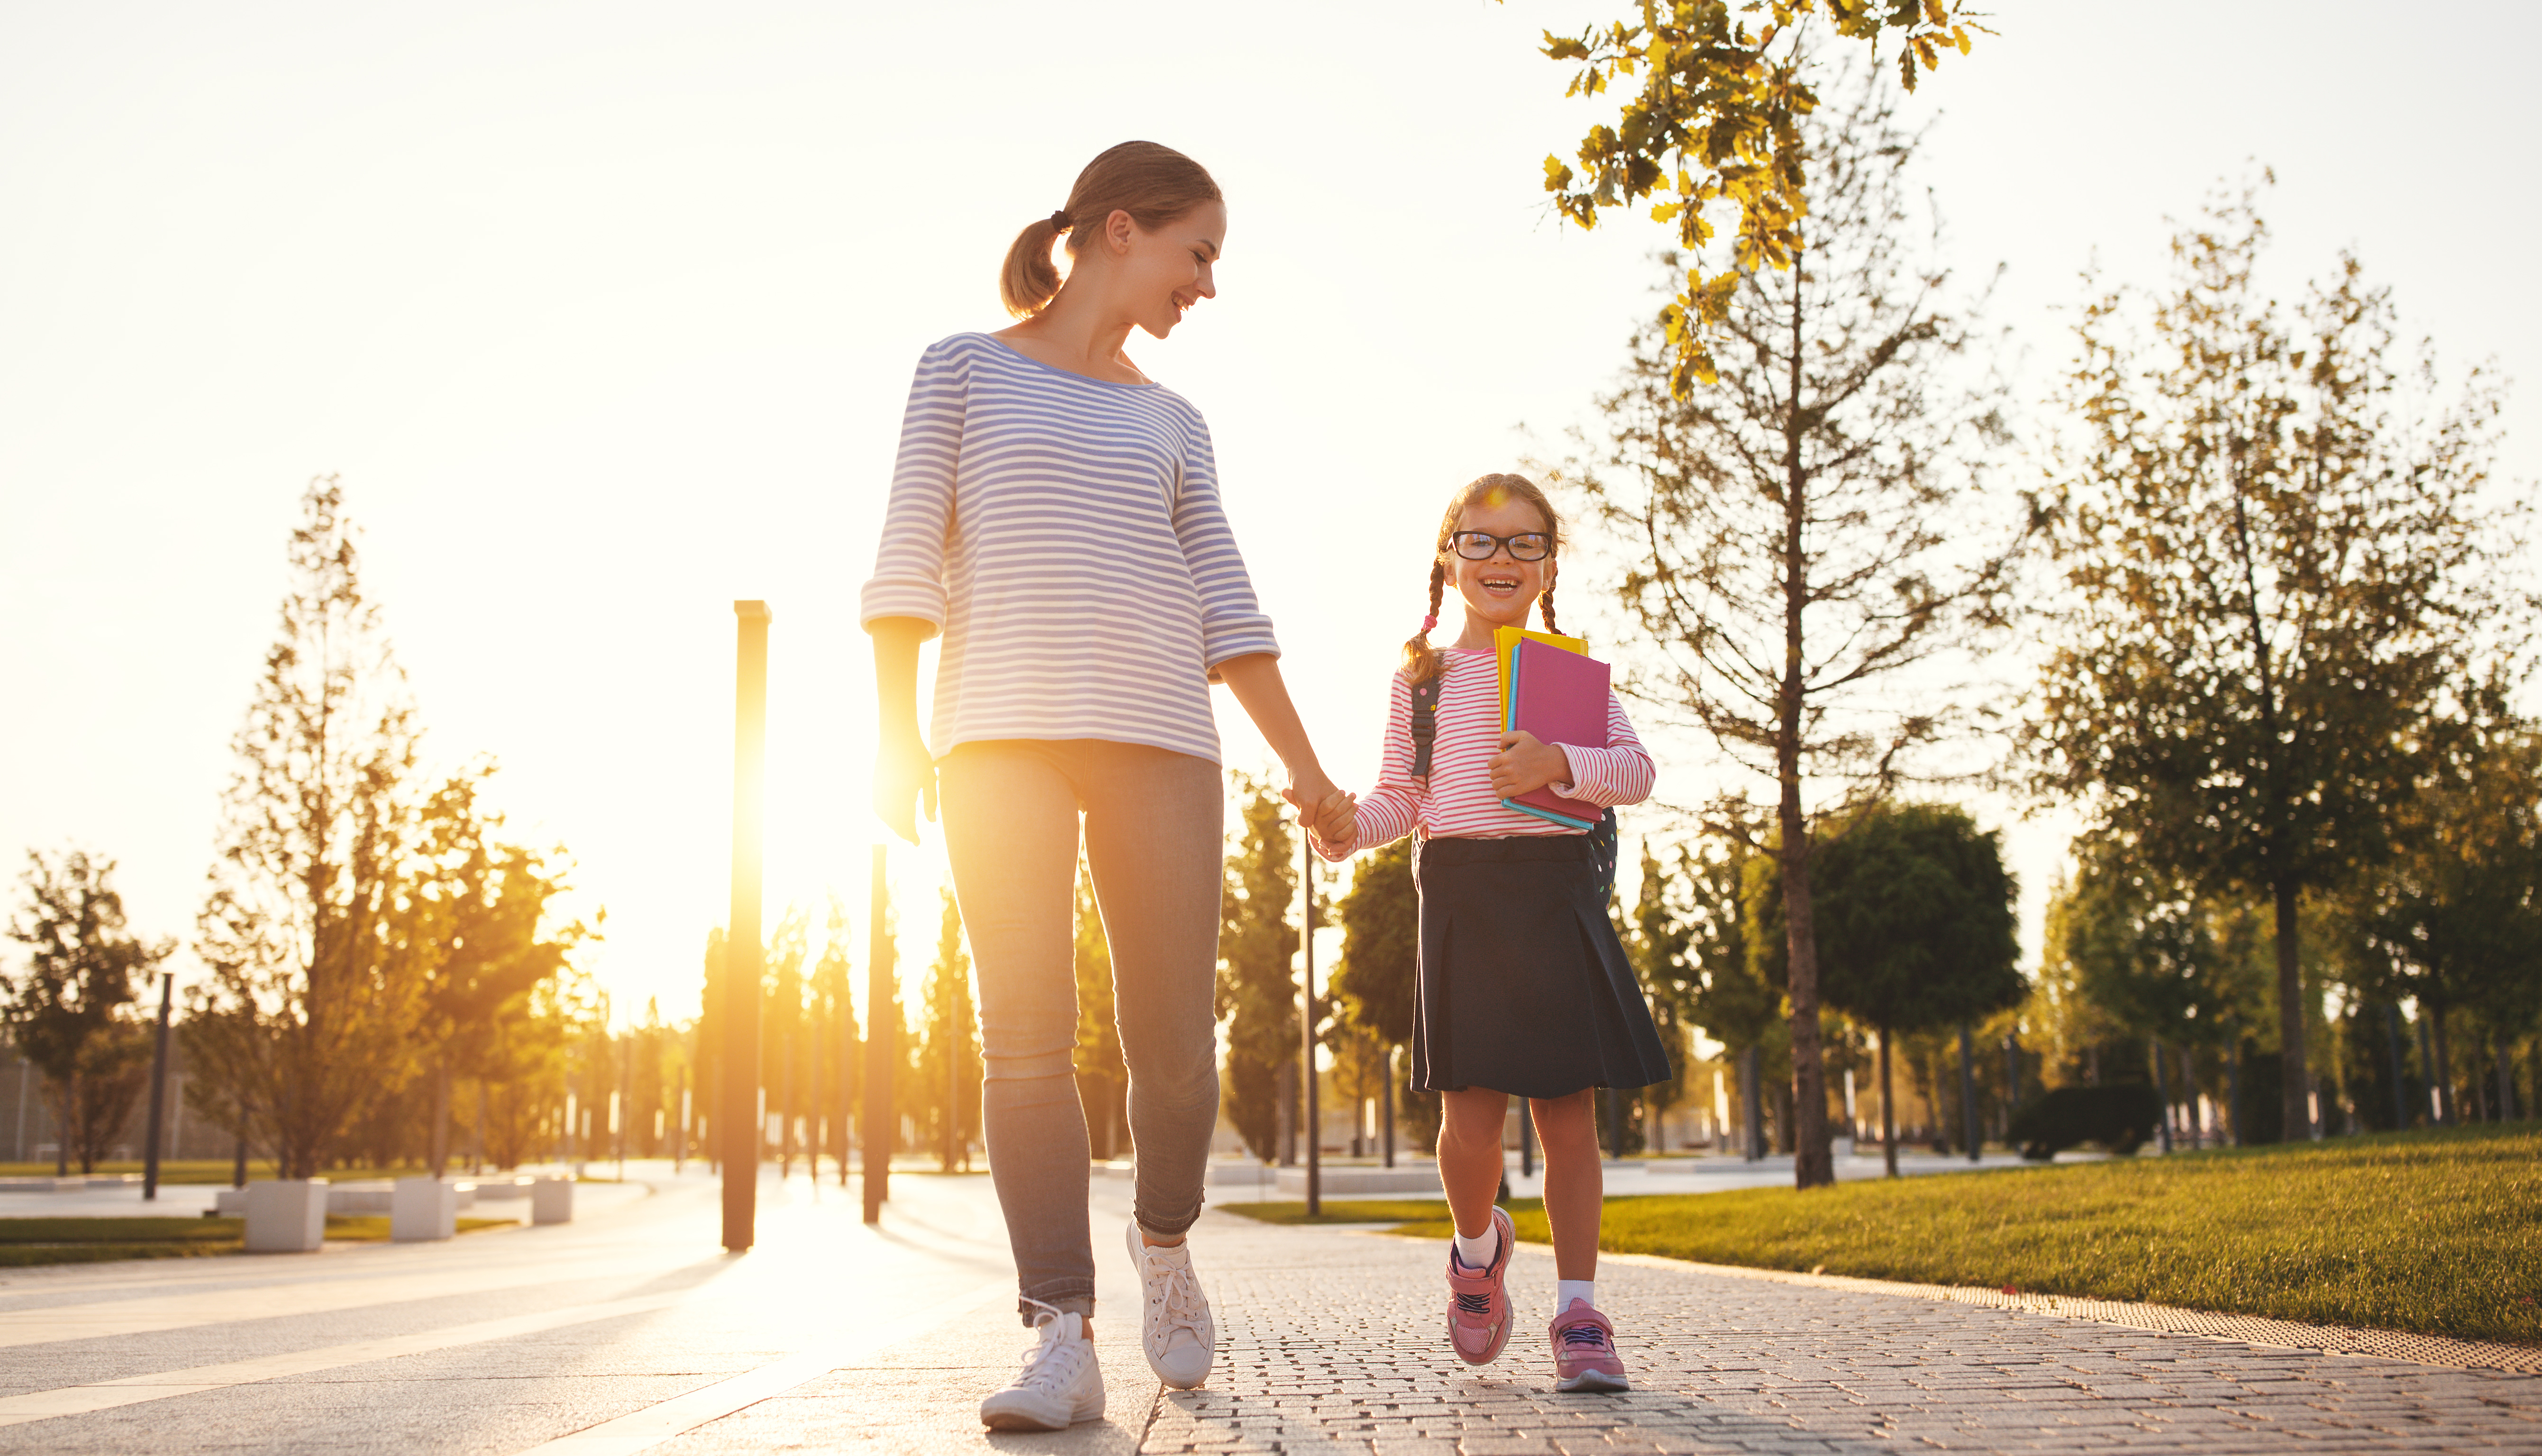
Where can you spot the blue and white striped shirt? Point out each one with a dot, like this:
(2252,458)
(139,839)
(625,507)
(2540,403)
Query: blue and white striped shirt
(1066,535)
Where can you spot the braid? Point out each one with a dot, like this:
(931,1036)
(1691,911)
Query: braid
(1544,604)
(1420,662)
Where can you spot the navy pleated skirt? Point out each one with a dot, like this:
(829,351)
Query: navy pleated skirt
(1524,989)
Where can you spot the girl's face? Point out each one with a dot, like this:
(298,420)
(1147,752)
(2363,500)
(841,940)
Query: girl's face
(1157,276)
(1498,591)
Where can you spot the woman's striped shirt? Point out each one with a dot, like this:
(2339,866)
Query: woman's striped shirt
(1457,801)
(1066,535)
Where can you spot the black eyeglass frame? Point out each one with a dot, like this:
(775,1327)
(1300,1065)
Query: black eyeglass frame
(1456,543)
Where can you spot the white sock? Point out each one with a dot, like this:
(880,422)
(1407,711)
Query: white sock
(1566,1290)
(1479,1251)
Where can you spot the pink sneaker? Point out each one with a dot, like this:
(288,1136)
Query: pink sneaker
(1478,1310)
(1584,1351)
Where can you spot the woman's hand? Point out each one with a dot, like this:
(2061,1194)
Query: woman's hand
(1524,764)
(903,781)
(904,771)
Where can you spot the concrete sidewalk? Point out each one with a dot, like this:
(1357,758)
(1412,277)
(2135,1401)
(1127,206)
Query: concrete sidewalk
(628,1331)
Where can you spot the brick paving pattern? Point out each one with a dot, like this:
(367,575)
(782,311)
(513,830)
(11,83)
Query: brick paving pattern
(1333,1342)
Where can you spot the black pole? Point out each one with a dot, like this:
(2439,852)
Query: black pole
(1387,1091)
(2163,1088)
(847,1076)
(882,1044)
(1311,1127)
(1888,1113)
(2392,1044)
(1751,1118)
(1526,1139)
(158,1089)
(742,947)
(1967,1091)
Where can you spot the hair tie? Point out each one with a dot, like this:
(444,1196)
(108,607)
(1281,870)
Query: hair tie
(1059,221)
(1430,624)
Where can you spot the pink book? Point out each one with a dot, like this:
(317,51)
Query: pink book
(1560,697)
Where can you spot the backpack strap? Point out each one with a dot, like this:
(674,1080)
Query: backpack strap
(1425,720)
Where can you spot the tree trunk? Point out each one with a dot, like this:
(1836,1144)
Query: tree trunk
(2290,1014)
(2443,1074)
(1968,1094)
(1888,1112)
(1385,1104)
(440,1116)
(2188,1096)
(2506,1078)
(2162,1089)
(1813,1161)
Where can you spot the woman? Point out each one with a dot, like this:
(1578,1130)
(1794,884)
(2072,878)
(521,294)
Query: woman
(1055,513)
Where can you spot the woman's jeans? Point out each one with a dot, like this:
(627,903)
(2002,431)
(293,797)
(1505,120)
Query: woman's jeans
(1153,823)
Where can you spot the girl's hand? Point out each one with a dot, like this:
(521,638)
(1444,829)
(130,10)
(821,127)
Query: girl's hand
(904,780)
(1337,819)
(1524,764)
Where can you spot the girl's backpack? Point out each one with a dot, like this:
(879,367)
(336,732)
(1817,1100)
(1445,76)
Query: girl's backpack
(1603,837)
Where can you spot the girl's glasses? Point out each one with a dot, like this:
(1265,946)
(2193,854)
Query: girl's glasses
(1478,545)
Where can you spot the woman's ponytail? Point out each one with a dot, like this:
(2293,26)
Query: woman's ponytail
(1030,279)
(1154,184)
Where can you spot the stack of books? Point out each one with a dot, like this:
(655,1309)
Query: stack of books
(1553,687)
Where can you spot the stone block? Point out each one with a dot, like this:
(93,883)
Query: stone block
(552,1200)
(423,1209)
(286,1215)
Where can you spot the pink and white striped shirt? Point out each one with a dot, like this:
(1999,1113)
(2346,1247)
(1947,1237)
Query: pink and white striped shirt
(1458,802)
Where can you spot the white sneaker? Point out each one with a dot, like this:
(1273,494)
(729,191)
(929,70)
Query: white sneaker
(1058,1386)
(1180,1335)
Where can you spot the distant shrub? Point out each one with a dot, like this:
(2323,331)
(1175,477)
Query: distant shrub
(2119,1118)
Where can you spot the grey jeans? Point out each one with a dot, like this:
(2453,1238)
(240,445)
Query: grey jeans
(1153,823)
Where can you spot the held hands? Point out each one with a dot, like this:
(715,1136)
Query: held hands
(1524,764)
(904,780)
(1332,814)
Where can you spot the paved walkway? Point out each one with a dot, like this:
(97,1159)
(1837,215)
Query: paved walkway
(629,1332)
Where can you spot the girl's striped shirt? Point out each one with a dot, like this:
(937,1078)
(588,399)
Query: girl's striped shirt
(1066,535)
(1457,802)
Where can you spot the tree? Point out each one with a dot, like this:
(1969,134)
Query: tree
(70,1013)
(1660,946)
(472,915)
(1725,993)
(1103,1076)
(1722,118)
(783,1055)
(2457,921)
(307,1012)
(1257,949)
(1815,528)
(2157,958)
(948,1057)
(1915,925)
(1377,982)
(2276,566)
(835,1020)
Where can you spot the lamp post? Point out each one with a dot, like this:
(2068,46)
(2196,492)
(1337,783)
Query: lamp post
(1310,1127)
(882,1046)
(741,951)
(158,1089)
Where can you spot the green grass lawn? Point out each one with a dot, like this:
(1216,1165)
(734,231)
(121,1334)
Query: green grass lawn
(27,1241)
(2436,1231)
(209,1170)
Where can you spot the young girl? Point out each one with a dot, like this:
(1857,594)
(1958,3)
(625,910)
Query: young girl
(1523,987)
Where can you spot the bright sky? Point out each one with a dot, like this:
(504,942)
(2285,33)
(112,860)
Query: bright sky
(605,316)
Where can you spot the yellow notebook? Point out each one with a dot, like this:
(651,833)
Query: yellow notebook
(1505,641)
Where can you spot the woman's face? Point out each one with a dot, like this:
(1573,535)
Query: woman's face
(1158,275)
(1499,590)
